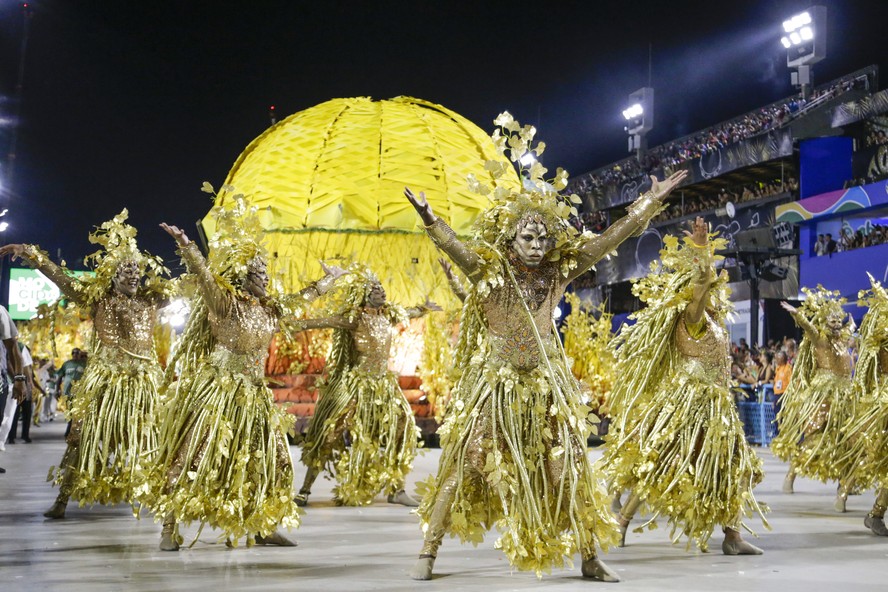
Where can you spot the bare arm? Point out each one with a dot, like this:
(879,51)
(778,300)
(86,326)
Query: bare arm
(640,214)
(38,259)
(445,238)
(216,298)
(14,366)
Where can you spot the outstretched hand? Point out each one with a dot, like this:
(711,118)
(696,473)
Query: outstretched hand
(333,271)
(15,250)
(421,205)
(787,307)
(661,189)
(699,232)
(177,233)
(430,305)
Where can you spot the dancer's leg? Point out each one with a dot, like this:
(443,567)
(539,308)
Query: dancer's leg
(875,520)
(438,523)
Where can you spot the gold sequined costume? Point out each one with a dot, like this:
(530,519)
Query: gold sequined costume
(361,399)
(678,444)
(223,458)
(868,431)
(514,440)
(819,400)
(114,430)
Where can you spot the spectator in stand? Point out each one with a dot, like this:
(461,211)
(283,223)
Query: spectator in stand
(766,368)
(820,245)
(831,246)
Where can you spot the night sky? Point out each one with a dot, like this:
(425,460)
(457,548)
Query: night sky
(135,103)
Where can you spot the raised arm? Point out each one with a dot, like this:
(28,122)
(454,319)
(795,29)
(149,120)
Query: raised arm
(415,312)
(445,238)
(705,276)
(800,320)
(316,289)
(36,258)
(639,216)
(216,298)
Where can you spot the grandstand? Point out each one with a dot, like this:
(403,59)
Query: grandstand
(775,177)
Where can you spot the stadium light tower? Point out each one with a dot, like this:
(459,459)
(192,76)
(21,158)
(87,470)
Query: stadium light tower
(639,117)
(804,38)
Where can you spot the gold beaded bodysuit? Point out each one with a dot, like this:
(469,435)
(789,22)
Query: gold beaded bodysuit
(514,441)
(361,398)
(224,459)
(114,430)
(818,402)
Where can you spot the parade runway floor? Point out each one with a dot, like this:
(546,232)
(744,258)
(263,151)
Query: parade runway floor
(810,548)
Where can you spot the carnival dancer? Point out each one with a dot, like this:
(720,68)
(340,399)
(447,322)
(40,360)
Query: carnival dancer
(677,443)
(223,458)
(113,431)
(360,398)
(868,432)
(819,400)
(514,445)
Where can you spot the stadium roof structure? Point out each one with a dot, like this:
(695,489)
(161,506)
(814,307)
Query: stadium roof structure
(329,183)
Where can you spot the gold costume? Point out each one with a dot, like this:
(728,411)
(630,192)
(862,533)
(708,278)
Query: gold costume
(676,441)
(514,441)
(361,398)
(223,457)
(868,431)
(114,431)
(819,400)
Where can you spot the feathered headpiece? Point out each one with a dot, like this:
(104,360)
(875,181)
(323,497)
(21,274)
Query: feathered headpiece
(118,242)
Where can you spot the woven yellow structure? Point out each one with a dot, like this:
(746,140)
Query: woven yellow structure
(329,181)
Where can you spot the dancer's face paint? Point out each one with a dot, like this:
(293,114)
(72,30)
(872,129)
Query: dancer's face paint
(126,280)
(531,243)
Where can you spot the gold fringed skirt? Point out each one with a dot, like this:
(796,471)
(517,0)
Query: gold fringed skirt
(223,458)
(114,407)
(686,457)
(370,409)
(810,422)
(515,443)
(867,434)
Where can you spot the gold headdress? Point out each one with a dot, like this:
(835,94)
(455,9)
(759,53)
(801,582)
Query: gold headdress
(237,241)
(118,242)
(671,281)
(821,304)
(538,199)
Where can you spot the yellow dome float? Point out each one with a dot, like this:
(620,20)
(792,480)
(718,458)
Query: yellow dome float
(330,183)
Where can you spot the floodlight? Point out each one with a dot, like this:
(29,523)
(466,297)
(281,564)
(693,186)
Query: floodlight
(634,111)
(4,226)
(807,33)
(795,38)
(803,19)
(805,37)
(786,42)
(788,27)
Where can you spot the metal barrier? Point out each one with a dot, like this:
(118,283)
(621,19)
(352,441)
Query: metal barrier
(758,416)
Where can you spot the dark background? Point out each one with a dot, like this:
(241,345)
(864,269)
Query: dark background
(135,103)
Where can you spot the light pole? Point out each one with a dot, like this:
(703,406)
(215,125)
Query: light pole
(805,42)
(639,117)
